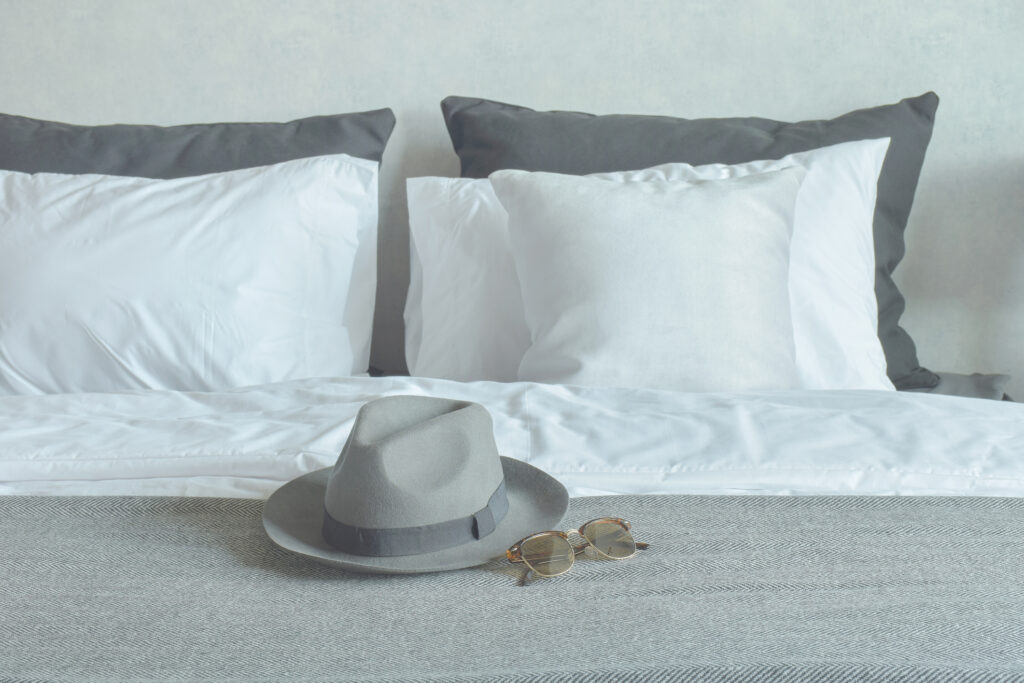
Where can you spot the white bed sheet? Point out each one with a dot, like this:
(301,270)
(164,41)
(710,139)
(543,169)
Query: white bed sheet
(247,442)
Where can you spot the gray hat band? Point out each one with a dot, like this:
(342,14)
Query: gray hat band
(415,540)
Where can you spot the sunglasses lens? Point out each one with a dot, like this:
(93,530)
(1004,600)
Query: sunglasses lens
(610,539)
(548,555)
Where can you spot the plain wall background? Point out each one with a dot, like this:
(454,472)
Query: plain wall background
(190,61)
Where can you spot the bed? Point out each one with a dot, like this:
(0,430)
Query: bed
(897,560)
(186,330)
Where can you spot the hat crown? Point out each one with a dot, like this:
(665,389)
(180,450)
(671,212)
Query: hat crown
(413,461)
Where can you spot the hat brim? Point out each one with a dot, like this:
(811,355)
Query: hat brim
(294,514)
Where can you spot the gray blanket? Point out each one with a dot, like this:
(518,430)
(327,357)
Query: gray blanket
(732,589)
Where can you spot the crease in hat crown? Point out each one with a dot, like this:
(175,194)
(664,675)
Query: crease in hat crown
(413,461)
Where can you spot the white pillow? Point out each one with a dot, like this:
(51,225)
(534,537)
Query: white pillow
(202,283)
(482,334)
(655,284)
(464,313)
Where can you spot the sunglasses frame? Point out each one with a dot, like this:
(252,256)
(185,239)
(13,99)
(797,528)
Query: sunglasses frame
(515,553)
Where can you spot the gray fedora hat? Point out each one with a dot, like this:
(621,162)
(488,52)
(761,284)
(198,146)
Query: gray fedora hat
(419,487)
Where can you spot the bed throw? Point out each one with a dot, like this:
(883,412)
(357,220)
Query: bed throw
(733,588)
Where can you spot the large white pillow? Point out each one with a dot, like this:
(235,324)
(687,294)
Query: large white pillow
(464,313)
(202,283)
(464,317)
(655,284)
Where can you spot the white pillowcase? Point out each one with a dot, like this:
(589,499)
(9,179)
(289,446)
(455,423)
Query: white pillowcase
(656,284)
(459,234)
(464,313)
(202,283)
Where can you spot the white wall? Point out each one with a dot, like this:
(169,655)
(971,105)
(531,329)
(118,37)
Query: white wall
(186,61)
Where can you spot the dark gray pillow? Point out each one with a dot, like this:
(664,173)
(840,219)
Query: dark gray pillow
(33,146)
(489,136)
(972,386)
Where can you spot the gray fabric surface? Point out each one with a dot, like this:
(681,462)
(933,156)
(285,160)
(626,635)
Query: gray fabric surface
(732,589)
(489,136)
(34,146)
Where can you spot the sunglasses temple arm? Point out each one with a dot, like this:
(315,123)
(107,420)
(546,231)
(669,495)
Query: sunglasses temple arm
(640,545)
(525,577)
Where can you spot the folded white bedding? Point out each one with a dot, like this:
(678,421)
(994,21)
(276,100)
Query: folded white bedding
(247,442)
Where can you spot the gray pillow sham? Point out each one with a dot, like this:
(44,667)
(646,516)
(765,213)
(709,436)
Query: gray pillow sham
(489,136)
(34,146)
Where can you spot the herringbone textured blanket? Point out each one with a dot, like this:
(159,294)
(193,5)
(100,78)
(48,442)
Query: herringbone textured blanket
(732,589)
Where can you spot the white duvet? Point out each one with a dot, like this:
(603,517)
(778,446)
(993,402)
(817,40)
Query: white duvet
(247,442)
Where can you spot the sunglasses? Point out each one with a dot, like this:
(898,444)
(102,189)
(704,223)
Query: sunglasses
(550,553)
